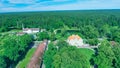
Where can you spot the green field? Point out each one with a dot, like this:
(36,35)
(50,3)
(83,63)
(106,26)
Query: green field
(87,52)
(24,62)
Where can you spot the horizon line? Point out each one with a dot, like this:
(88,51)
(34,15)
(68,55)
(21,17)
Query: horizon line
(58,10)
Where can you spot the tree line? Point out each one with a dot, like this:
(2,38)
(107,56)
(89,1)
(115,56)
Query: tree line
(13,48)
(92,24)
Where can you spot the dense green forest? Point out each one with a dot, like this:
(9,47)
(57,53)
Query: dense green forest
(12,49)
(66,56)
(90,25)
(54,20)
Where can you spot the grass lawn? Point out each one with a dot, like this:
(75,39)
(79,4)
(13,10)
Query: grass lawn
(11,31)
(87,52)
(24,62)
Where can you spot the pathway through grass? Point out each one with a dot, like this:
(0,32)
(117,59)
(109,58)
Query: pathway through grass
(25,61)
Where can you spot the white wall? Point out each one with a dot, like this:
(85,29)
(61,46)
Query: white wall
(75,42)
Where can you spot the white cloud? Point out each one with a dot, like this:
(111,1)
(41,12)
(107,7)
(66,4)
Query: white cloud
(22,1)
(94,4)
(61,0)
(33,1)
(1,4)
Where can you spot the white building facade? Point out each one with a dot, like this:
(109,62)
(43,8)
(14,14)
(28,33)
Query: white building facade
(75,40)
(31,30)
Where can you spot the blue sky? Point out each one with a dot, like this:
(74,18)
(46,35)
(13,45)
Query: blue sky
(50,5)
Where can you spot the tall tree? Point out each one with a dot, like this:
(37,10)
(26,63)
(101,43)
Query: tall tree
(43,35)
(11,49)
(48,56)
(70,57)
(116,50)
(90,32)
(105,55)
(2,62)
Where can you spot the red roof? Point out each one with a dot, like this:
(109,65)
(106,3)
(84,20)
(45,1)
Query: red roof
(73,37)
(37,57)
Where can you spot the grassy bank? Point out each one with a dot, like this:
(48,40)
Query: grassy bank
(25,61)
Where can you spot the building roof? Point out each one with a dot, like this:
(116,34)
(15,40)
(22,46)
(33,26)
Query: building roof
(20,33)
(33,29)
(113,43)
(74,37)
(36,59)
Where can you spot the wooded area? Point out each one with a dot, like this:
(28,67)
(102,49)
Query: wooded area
(91,25)
(12,49)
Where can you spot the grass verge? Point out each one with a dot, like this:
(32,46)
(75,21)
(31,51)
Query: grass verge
(25,61)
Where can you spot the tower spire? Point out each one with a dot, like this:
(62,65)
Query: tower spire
(22,26)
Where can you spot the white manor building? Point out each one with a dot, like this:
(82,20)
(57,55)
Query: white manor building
(75,40)
(31,30)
